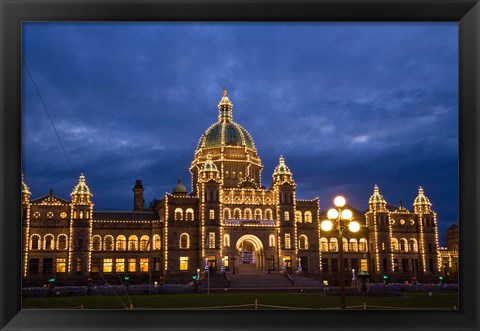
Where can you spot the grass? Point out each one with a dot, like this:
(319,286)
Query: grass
(299,300)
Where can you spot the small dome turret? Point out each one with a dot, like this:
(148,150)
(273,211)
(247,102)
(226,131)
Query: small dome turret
(421,203)
(376,201)
(282,173)
(25,192)
(179,188)
(81,194)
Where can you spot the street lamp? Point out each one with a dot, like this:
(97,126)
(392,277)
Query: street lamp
(340,218)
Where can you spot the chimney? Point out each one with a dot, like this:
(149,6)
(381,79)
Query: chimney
(138,196)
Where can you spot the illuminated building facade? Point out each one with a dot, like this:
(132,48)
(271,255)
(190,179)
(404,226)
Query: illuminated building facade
(229,220)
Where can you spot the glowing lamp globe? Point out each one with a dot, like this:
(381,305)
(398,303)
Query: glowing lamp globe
(326,225)
(339,201)
(347,214)
(354,226)
(332,214)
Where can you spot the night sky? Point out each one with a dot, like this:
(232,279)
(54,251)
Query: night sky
(349,105)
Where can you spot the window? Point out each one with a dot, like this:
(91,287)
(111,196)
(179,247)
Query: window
(60,265)
(385,266)
(403,245)
(323,244)
(268,214)
(33,266)
(355,265)
(178,214)
(258,214)
(132,243)
(120,265)
(237,214)
(80,244)
(132,265)
(156,264)
(364,264)
(286,216)
(333,245)
(404,265)
(96,243)
(121,243)
(415,265)
(303,242)
(226,240)
(430,265)
(47,266)
(324,265)
(429,247)
(108,243)
(345,264)
(247,214)
(184,241)
(183,263)
(353,246)
(189,214)
(288,244)
(335,265)
(156,242)
(79,264)
(49,242)
(144,243)
(395,265)
(226,213)
(383,246)
(62,242)
(345,244)
(363,245)
(394,244)
(413,245)
(95,266)
(107,265)
(211,214)
(211,240)
(308,217)
(144,265)
(35,242)
(271,240)
(298,216)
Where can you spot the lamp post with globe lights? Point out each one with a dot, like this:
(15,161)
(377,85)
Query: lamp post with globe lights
(339,219)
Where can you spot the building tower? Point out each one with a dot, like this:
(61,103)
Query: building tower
(80,229)
(138,200)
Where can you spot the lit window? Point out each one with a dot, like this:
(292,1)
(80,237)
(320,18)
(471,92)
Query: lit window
(333,245)
(226,240)
(353,245)
(308,217)
(144,243)
(413,245)
(288,244)
(121,243)
(144,265)
(107,265)
(258,214)
(132,265)
(61,265)
(345,244)
(212,214)
(119,265)
(108,243)
(96,243)
(403,245)
(211,240)
(271,240)
(363,245)
(286,216)
(49,242)
(268,214)
(79,264)
(178,214)
(226,213)
(298,216)
(247,214)
(183,263)
(324,244)
(303,242)
(394,244)
(184,241)
(132,243)
(95,266)
(189,214)
(156,242)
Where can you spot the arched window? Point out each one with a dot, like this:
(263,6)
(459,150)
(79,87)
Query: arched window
(144,243)
(271,240)
(189,214)
(268,214)
(303,242)
(156,242)
(363,245)
(132,243)
(403,245)
(394,244)
(333,245)
(237,213)
(345,244)
(413,245)
(96,243)
(226,240)
(184,241)
(49,242)
(323,244)
(258,214)
(62,241)
(353,245)
(121,243)
(211,214)
(298,216)
(35,242)
(178,214)
(108,243)
(286,215)
(227,213)
(308,217)
(247,214)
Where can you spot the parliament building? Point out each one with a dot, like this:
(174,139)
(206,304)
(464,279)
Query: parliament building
(227,221)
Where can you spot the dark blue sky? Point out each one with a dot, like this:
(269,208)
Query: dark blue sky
(349,105)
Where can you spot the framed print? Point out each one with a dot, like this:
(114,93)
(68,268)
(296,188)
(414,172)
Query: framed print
(250,165)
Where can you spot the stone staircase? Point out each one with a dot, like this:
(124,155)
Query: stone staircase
(258,280)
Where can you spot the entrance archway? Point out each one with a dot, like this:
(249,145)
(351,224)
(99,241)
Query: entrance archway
(250,250)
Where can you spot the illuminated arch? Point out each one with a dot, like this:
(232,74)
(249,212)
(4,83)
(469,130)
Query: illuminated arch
(298,216)
(268,214)
(144,243)
(62,240)
(247,214)
(308,216)
(189,214)
(363,245)
(258,214)
(108,243)
(178,214)
(133,243)
(227,214)
(413,245)
(156,242)
(49,241)
(257,243)
(237,213)
(96,242)
(35,241)
(184,242)
(353,245)
(394,244)
(303,242)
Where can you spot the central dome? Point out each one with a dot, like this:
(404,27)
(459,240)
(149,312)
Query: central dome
(225,132)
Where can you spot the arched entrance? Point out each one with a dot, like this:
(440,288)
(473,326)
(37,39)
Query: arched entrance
(250,252)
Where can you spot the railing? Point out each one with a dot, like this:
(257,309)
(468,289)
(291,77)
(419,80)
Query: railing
(227,279)
(290,278)
(249,222)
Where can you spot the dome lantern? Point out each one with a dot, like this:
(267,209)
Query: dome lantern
(81,194)
(376,201)
(225,108)
(421,203)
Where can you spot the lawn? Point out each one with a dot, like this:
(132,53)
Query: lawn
(219,301)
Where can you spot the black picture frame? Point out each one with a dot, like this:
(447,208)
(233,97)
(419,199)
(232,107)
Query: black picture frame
(14,12)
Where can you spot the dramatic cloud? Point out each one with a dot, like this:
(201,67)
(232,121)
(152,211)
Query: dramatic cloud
(349,105)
